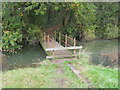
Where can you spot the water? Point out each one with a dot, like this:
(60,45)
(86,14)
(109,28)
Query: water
(104,52)
(101,52)
(26,57)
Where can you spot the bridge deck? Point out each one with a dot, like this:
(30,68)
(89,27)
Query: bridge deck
(54,44)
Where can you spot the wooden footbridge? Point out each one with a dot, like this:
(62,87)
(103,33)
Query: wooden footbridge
(58,45)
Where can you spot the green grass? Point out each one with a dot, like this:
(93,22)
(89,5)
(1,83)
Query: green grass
(30,77)
(0,79)
(45,76)
(100,77)
(74,81)
(41,77)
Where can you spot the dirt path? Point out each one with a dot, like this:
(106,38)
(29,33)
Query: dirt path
(59,61)
(53,43)
(52,29)
(60,79)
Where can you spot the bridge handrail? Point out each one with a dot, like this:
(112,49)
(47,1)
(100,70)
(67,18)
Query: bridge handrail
(47,38)
(64,48)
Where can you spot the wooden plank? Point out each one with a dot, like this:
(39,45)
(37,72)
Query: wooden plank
(64,48)
(79,75)
(60,56)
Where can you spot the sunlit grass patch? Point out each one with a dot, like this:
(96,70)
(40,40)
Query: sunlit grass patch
(102,77)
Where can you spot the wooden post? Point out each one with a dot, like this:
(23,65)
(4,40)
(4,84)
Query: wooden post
(66,40)
(59,37)
(53,53)
(48,38)
(53,43)
(44,37)
(53,47)
(74,46)
(55,35)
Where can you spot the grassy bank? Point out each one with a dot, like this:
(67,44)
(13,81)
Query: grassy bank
(50,75)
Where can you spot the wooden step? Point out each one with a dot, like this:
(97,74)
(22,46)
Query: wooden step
(60,56)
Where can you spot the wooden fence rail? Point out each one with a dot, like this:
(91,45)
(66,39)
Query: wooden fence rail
(64,39)
(65,48)
(61,38)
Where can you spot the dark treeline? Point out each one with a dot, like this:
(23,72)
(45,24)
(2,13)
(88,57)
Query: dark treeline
(23,22)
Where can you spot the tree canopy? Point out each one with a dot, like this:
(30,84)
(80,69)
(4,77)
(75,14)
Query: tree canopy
(23,22)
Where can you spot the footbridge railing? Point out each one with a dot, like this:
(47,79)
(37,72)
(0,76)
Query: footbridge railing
(67,43)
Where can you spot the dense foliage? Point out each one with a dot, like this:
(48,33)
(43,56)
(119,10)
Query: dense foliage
(107,20)
(12,26)
(23,22)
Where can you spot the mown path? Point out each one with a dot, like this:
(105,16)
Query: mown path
(59,79)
